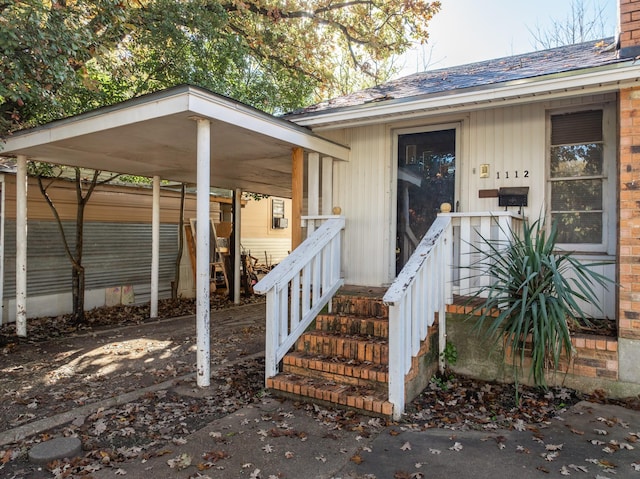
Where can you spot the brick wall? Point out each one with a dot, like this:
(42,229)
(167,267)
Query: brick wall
(629,28)
(594,357)
(629,211)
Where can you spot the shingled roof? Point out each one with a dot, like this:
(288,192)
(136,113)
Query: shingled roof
(481,74)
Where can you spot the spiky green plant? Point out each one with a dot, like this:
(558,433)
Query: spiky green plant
(532,298)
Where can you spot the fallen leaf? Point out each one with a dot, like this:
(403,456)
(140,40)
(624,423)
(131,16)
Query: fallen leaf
(215,456)
(181,462)
(565,471)
(289,454)
(553,447)
(357,458)
(607,464)
(578,468)
(268,448)
(406,446)
(456,447)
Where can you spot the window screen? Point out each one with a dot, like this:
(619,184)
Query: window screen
(577,176)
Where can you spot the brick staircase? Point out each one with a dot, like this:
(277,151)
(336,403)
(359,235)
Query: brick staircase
(344,360)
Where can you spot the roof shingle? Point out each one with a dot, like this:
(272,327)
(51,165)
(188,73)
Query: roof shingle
(490,72)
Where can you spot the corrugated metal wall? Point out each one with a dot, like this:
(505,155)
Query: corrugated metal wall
(114,254)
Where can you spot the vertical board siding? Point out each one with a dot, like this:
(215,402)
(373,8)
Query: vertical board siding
(361,190)
(508,139)
(113,255)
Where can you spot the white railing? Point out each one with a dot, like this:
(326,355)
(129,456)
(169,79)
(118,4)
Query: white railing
(298,288)
(419,292)
(469,229)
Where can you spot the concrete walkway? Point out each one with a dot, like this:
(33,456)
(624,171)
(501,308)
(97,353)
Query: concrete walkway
(279,440)
(283,439)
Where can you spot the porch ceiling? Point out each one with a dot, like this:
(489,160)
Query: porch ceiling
(156,135)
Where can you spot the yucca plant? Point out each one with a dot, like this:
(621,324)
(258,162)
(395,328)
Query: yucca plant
(532,299)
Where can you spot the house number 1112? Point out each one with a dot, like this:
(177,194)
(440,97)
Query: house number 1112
(525,174)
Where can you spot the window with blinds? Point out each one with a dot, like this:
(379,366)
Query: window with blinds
(577,177)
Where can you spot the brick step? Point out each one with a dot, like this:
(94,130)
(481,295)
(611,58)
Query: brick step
(339,370)
(364,399)
(372,307)
(374,350)
(350,324)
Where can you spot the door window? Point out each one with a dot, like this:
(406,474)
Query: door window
(426,180)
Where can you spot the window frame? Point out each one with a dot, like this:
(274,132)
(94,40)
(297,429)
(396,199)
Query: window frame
(607,176)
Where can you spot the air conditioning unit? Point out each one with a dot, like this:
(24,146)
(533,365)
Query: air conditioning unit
(280,223)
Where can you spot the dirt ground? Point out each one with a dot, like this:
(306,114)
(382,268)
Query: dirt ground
(43,378)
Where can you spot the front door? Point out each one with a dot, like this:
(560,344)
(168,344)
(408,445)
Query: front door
(426,180)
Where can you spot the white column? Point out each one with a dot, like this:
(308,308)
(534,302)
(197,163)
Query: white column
(203,352)
(237,217)
(313,189)
(21,247)
(327,185)
(2,217)
(155,247)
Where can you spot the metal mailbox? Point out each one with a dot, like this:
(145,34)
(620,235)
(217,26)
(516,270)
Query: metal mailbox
(513,196)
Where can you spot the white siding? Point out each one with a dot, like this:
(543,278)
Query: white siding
(362,188)
(276,249)
(508,139)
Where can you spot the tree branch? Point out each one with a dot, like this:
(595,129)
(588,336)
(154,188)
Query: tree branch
(54,210)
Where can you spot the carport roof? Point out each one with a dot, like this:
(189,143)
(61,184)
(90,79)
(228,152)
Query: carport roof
(155,134)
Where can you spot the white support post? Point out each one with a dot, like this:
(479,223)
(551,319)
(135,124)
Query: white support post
(237,219)
(2,216)
(327,185)
(203,239)
(313,190)
(155,247)
(21,247)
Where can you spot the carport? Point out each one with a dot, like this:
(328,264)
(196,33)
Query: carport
(184,134)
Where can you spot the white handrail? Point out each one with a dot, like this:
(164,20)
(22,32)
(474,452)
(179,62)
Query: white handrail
(298,288)
(419,291)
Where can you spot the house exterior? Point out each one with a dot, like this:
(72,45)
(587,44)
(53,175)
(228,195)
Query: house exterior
(549,134)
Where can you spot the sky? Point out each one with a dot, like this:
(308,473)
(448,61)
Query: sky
(466,31)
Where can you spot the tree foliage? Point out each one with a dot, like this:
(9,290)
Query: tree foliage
(60,57)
